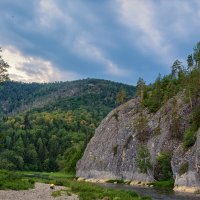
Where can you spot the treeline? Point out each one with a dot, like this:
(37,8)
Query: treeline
(185,79)
(18,97)
(53,137)
(181,78)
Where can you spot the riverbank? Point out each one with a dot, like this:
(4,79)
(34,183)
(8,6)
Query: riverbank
(167,185)
(83,190)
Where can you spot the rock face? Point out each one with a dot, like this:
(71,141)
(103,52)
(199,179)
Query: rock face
(189,181)
(114,151)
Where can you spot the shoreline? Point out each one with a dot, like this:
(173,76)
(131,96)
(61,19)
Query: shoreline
(182,189)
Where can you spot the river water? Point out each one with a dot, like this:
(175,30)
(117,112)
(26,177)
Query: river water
(156,194)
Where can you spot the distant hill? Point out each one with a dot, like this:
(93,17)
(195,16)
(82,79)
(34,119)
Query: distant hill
(16,97)
(46,126)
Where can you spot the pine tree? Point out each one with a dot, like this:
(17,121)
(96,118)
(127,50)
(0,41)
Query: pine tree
(190,62)
(140,88)
(121,96)
(197,54)
(3,69)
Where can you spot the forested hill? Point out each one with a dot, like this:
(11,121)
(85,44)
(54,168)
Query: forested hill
(46,127)
(18,97)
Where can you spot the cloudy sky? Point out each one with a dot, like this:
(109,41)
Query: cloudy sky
(120,40)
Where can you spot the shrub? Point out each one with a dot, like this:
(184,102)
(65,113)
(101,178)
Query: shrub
(143,160)
(163,167)
(189,138)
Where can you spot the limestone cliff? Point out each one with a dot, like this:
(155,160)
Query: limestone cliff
(114,150)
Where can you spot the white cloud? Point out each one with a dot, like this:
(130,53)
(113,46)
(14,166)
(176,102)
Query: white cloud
(140,17)
(90,51)
(33,69)
(76,38)
(158,25)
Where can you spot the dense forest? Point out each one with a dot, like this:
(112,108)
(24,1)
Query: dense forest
(45,127)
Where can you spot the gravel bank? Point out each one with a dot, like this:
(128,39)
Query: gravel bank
(40,192)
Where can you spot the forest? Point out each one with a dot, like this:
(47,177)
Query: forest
(46,127)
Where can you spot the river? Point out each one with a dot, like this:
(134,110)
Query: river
(155,194)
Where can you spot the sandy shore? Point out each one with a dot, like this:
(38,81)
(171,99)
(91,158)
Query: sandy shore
(40,192)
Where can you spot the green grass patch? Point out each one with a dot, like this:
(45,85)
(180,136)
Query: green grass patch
(60,193)
(168,184)
(14,181)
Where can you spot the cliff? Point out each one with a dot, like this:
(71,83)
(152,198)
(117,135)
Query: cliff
(130,139)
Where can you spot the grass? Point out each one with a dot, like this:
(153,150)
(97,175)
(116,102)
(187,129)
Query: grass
(168,184)
(60,193)
(85,191)
(14,181)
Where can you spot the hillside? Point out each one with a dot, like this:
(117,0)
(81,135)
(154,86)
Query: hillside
(45,127)
(153,137)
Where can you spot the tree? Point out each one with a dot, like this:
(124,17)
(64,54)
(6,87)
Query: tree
(140,88)
(190,62)
(3,69)
(197,54)
(143,160)
(177,67)
(121,96)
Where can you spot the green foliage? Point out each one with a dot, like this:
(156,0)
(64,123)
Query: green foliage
(189,137)
(88,191)
(14,181)
(183,168)
(121,96)
(180,78)
(53,134)
(92,94)
(167,184)
(85,191)
(143,159)
(163,170)
(67,162)
(3,69)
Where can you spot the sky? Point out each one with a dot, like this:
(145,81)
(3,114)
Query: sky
(119,40)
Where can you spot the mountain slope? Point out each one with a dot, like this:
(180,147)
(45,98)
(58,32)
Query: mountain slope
(46,127)
(17,97)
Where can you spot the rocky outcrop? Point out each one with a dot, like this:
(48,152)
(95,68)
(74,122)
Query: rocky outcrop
(114,151)
(190,162)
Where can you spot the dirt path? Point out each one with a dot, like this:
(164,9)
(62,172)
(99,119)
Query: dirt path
(40,192)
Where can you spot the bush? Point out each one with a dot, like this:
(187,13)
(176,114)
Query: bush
(143,160)
(164,184)
(163,167)
(189,138)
